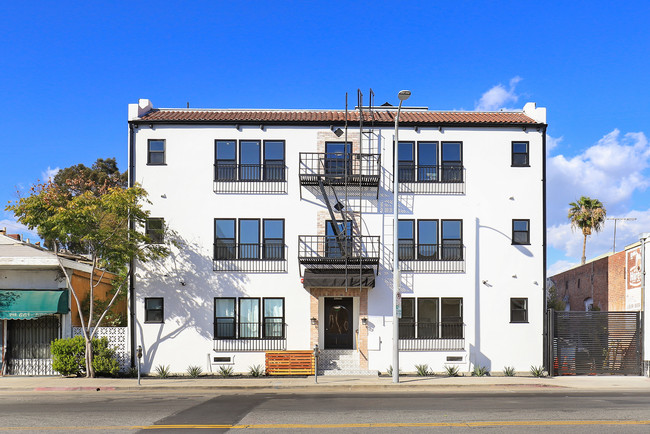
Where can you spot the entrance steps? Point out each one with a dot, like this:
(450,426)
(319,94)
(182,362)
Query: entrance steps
(341,362)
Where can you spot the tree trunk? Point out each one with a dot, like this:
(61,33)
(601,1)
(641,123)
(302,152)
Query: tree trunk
(584,249)
(90,371)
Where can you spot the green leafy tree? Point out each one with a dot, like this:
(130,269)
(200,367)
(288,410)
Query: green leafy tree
(102,221)
(587,215)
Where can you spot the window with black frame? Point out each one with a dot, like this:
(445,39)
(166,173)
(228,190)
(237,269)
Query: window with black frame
(427,161)
(274,160)
(154,310)
(224,241)
(427,318)
(338,158)
(332,245)
(273,320)
(155,230)
(407,321)
(406,162)
(224,318)
(518,310)
(520,154)
(273,245)
(520,231)
(249,239)
(406,241)
(249,318)
(250,168)
(225,160)
(452,162)
(452,240)
(427,240)
(155,152)
(451,316)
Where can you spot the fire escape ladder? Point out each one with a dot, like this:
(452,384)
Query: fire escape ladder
(334,222)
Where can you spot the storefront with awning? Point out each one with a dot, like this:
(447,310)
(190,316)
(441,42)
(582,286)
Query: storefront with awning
(32,303)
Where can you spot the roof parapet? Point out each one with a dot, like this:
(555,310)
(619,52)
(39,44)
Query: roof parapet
(536,113)
(138,110)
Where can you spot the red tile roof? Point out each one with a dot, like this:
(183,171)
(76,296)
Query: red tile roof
(407,117)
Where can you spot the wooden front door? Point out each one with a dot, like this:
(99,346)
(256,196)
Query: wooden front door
(338,323)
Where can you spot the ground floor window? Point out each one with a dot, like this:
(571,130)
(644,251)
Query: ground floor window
(248,318)
(518,310)
(154,310)
(431,318)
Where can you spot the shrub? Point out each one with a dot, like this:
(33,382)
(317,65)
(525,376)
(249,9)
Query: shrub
(225,371)
(422,370)
(480,371)
(451,371)
(537,371)
(256,371)
(194,371)
(389,371)
(162,371)
(69,356)
(509,371)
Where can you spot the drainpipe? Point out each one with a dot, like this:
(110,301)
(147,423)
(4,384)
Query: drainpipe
(643,237)
(131,264)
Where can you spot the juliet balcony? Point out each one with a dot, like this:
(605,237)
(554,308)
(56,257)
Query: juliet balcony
(431,258)
(230,177)
(230,256)
(446,179)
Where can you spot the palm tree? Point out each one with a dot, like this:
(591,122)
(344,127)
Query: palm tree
(588,215)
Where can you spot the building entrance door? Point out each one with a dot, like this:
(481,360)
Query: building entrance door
(338,323)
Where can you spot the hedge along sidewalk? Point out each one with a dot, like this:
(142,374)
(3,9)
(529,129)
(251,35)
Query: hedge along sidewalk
(69,356)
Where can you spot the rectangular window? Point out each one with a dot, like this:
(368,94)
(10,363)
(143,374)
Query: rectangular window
(225,160)
(224,318)
(427,240)
(155,230)
(274,160)
(154,310)
(452,162)
(521,232)
(452,240)
(249,239)
(249,318)
(273,232)
(427,318)
(155,152)
(273,321)
(427,161)
(250,168)
(520,154)
(224,239)
(407,321)
(406,241)
(332,246)
(406,162)
(518,310)
(451,315)
(337,158)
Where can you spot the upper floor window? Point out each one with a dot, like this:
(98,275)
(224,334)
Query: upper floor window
(406,162)
(518,310)
(521,232)
(252,160)
(520,154)
(240,239)
(338,158)
(426,156)
(423,244)
(406,241)
(452,162)
(154,310)
(452,240)
(332,244)
(155,230)
(156,152)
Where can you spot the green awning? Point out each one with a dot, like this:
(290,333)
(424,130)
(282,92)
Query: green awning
(32,303)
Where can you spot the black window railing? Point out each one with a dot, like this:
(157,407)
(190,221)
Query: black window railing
(338,168)
(438,179)
(265,257)
(431,336)
(266,335)
(329,249)
(230,177)
(431,258)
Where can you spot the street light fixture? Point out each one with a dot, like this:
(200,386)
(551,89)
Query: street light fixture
(403,95)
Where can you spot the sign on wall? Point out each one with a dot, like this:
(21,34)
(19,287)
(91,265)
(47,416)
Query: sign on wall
(633,280)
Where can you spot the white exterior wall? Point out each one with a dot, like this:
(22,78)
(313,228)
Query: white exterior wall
(182,193)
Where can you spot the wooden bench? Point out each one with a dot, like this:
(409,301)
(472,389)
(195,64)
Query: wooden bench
(290,363)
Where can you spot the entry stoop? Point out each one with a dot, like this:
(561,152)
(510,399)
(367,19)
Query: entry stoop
(341,362)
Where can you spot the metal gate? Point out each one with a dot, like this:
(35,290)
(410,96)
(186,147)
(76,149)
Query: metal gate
(594,343)
(28,345)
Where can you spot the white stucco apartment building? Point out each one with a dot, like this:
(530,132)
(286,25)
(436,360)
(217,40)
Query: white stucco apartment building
(287,237)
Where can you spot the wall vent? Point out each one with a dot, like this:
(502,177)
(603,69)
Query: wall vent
(454,358)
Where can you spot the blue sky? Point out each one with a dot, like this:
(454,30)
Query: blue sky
(68,71)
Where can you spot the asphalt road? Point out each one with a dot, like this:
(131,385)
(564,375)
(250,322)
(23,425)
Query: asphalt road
(184,411)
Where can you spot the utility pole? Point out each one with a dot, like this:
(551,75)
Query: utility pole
(616,219)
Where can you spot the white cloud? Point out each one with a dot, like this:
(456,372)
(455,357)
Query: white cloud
(561,236)
(13,227)
(49,174)
(560,266)
(498,96)
(611,171)
(552,143)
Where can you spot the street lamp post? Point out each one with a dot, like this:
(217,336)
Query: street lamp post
(403,95)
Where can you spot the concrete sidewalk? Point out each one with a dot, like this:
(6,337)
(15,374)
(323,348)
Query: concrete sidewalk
(328,384)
